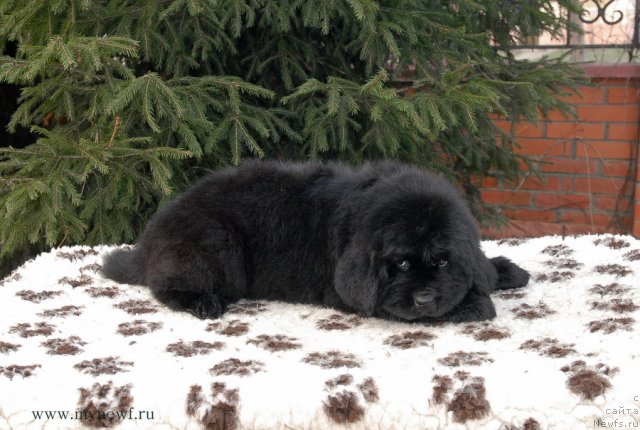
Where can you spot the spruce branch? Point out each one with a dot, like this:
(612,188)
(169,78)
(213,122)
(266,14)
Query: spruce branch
(133,101)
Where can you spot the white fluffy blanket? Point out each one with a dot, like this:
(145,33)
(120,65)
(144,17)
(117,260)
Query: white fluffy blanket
(78,350)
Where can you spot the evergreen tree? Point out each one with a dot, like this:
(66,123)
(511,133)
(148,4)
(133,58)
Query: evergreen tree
(133,100)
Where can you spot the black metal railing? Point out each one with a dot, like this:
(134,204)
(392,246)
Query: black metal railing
(598,16)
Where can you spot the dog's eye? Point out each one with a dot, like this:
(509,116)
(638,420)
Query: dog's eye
(440,263)
(403,265)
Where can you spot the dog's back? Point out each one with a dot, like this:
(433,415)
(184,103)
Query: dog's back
(254,231)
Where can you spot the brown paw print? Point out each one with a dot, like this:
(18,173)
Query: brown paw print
(232,328)
(462,358)
(103,366)
(13,276)
(555,276)
(485,331)
(609,325)
(613,269)
(619,306)
(332,359)
(442,386)
(549,347)
(339,322)
(29,330)
(612,242)
(68,346)
(276,342)
(528,424)
(511,295)
(136,307)
(466,403)
(8,347)
(109,292)
(532,312)
(560,250)
(63,311)
(93,267)
(633,255)
(246,308)
(513,241)
(410,339)
(345,402)
(588,382)
(13,369)
(613,289)
(77,254)
(563,263)
(219,411)
(197,347)
(99,405)
(343,407)
(234,366)
(32,296)
(80,281)
(138,327)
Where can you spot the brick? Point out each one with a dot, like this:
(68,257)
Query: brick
(557,116)
(506,198)
(585,217)
(547,183)
(522,165)
(503,125)
(611,74)
(522,129)
(519,228)
(543,147)
(620,168)
(530,215)
(527,129)
(557,200)
(485,182)
(612,204)
(609,113)
(625,95)
(604,149)
(569,165)
(627,131)
(567,184)
(587,95)
(626,222)
(598,185)
(490,181)
(571,130)
(408,91)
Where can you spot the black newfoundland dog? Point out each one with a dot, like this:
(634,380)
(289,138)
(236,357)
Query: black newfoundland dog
(387,240)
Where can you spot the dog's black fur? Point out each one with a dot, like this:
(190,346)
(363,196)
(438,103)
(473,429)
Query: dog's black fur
(387,240)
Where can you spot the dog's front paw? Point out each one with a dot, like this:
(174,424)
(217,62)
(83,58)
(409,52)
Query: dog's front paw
(474,307)
(206,307)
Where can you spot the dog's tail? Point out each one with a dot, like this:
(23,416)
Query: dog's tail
(123,266)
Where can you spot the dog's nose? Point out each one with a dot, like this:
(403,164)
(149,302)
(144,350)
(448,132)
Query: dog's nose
(422,298)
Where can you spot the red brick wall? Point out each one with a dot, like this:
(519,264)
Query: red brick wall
(590,182)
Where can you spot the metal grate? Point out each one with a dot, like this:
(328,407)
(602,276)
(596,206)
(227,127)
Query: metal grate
(604,24)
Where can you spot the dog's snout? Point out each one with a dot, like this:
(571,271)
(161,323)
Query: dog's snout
(422,298)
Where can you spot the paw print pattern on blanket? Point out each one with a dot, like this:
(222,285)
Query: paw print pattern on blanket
(72,340)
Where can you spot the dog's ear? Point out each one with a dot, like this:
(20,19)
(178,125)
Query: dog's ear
(356,280)
(510,275)
(483,273)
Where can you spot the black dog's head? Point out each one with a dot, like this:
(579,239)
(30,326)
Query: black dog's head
(415,251)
